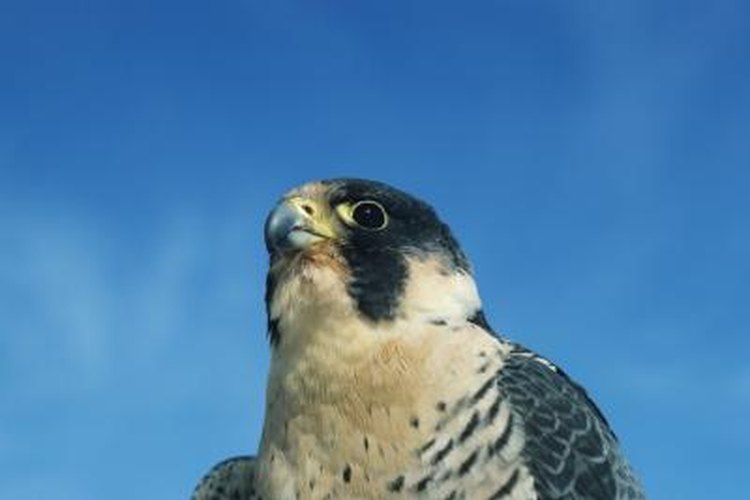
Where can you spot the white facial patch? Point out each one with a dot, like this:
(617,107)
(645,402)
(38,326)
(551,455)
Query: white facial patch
(437,293)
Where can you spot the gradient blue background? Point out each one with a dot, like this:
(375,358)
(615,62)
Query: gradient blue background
(591,156)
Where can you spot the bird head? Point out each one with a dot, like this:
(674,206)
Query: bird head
(360,248)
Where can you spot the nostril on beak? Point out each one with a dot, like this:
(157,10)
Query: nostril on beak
(290,226)
(308,209)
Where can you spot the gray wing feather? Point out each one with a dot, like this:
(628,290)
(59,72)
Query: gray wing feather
(232,479)
(569,447)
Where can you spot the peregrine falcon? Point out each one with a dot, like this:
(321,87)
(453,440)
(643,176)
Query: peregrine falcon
(386,380)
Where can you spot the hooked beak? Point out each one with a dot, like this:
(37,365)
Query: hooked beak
(296,224)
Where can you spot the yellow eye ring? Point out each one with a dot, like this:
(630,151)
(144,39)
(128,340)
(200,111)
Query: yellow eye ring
(366,214)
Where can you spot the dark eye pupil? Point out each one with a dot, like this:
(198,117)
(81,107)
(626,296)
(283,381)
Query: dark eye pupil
(369,215)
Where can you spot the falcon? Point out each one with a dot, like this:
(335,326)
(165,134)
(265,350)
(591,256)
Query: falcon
(386,380)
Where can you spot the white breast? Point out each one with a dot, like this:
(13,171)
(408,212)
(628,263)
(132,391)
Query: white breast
(350,400)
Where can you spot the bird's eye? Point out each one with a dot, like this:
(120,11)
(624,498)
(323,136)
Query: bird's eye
(369,215)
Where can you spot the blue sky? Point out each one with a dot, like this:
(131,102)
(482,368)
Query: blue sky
(591,157)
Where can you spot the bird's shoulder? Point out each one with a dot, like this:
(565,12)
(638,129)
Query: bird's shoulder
(568,444)
(230,479)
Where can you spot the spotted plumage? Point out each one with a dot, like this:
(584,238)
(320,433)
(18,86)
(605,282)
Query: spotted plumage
(386,380)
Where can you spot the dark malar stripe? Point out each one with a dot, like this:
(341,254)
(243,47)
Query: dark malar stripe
(378,279)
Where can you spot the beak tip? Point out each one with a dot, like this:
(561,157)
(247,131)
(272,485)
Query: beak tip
(280,222)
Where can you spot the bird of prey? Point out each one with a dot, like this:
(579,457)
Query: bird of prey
(386,380)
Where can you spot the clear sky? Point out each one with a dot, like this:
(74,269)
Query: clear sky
(591,156)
